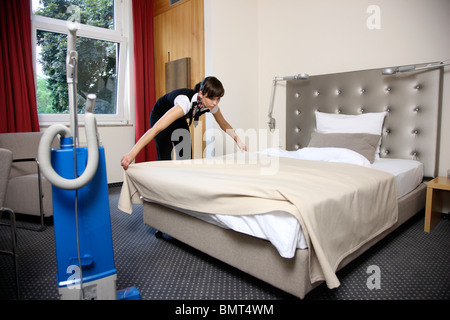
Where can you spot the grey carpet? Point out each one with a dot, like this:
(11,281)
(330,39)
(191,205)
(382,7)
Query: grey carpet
(413,265)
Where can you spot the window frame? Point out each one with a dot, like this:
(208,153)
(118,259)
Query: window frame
(117,35)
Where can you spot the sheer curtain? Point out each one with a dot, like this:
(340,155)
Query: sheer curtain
(144,73)
(18,112)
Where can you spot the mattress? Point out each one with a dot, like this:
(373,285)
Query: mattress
(280,227)
(408,173)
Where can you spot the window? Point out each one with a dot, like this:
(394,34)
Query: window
(101,47)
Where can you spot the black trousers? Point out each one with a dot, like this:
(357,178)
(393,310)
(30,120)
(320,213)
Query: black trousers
(174,139)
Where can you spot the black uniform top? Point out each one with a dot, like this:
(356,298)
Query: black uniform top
(187,99)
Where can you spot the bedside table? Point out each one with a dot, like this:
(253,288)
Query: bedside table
(436,190)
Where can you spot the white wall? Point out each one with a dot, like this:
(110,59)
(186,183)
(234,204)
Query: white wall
(231,54)
(249,42)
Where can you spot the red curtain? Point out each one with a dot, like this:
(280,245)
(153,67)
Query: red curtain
(144,71)
(18,112)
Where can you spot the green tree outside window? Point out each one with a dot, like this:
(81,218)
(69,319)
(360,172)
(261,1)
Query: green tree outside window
(97,59)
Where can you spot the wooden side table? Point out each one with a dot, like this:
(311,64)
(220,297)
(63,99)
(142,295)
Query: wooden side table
(436,190)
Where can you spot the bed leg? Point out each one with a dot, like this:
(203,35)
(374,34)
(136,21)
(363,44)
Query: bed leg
(158,234)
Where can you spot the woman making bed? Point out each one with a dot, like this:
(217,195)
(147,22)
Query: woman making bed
(173,111)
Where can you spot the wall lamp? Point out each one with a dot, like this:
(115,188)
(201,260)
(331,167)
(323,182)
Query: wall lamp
(389,71)
(301,76)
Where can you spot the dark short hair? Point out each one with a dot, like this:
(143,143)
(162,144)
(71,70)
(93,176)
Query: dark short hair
(210,87)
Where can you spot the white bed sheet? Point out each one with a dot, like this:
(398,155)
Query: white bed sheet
(408,173)
(280,227)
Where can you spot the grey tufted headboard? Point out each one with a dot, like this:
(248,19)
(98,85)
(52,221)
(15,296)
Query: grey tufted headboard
(412,100)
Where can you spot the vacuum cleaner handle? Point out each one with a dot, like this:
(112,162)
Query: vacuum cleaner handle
(45,145)
(44,154)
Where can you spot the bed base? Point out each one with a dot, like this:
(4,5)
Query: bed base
(255,256)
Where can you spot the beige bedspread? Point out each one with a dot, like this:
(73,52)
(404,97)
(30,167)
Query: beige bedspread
(340,206)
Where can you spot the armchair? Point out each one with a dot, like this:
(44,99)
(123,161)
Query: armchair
(29,192)
(5,167)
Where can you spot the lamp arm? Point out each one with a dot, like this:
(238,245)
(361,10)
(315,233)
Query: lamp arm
(272,100)
(431,66)
(391,71)
(272,96)
(301,76)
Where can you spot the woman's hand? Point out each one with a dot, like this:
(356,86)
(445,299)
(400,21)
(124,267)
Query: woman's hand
(126,160)
(170,116)
(225,126)
(241,145)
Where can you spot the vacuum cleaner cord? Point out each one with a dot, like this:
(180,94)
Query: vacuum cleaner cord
(76,218)
(78,246)
(75,145)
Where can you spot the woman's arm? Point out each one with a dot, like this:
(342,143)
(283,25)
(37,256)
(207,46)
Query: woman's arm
(169,117)
(225,126)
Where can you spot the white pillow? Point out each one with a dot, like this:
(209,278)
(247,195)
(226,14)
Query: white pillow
(371,123)
(333,155)
(344,123)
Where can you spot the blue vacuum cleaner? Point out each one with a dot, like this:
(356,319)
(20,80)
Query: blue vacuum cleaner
(84,248)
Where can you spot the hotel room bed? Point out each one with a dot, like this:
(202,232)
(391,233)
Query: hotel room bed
(296,226)
(282,229)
